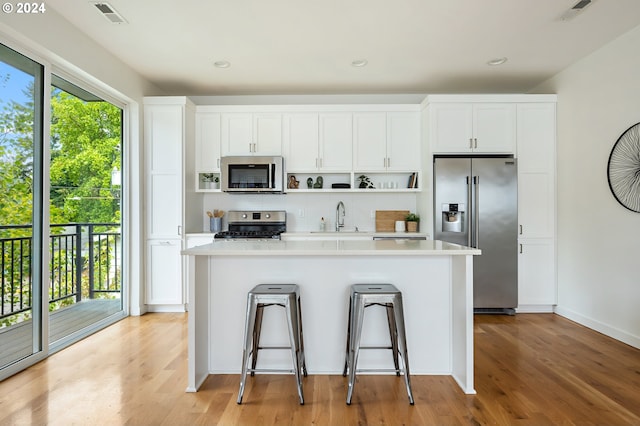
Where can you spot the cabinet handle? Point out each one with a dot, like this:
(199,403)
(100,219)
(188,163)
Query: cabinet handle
(520,248)
(520,229)
(470,143)
(475,143)
(179,230)
(388,162)
(218,162)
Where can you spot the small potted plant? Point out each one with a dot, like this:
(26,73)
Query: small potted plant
(208,179)
(412,220)
(365,182)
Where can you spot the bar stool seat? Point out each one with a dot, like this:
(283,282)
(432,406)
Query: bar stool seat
(261,296)
(389,297)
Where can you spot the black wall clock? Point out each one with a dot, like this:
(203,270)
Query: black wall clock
(623,170)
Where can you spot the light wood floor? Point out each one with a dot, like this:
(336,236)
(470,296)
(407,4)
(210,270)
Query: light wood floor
(531,369)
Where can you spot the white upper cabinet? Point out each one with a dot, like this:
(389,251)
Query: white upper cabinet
(386,141)
(251,134)
(207,142)
(300,141)
(403,141)
(370,141)
(461,127)
(336,141)
(317,142)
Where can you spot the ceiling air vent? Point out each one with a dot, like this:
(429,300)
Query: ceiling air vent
(575,10)
(109,13)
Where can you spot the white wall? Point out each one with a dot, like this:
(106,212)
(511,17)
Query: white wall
(598,239)
(51,39)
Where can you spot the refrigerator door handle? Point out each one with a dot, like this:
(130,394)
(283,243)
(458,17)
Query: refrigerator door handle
(476,216)
(469,223)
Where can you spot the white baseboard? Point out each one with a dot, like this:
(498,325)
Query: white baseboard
(166,308)
(535,309)
(600,327)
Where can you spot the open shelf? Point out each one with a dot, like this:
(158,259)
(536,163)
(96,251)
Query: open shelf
(204,185)
(382,182)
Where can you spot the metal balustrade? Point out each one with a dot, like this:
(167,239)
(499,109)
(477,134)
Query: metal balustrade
(84,262)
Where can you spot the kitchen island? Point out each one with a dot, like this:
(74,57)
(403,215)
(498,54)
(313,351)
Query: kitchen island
(435,277)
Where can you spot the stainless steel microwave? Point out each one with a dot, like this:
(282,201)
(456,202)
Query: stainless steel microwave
(252,174)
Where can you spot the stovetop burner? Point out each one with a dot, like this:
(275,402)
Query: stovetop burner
(254,225)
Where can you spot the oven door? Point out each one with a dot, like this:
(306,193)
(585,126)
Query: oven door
(252,174)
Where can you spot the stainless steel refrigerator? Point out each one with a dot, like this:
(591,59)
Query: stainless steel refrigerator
(476,205)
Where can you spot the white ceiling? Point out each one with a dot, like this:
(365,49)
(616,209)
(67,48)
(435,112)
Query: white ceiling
(307,46)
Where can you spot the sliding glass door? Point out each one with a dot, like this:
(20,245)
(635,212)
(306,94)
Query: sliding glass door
(61,256)
(21,224)
(85,245)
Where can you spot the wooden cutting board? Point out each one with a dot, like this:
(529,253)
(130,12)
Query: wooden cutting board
(386,219)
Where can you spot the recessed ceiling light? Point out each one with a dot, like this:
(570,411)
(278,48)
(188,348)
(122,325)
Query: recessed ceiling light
(359,63)
(497,61)
(222,64)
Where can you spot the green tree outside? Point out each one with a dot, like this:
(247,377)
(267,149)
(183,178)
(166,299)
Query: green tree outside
(85,147)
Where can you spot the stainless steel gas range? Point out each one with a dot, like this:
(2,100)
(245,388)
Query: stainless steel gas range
(254,224)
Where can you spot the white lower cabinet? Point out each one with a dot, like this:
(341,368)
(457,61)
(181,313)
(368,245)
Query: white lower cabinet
(536,275)
(164,275)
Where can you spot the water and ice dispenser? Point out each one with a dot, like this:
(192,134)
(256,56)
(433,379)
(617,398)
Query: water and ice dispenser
(453,217)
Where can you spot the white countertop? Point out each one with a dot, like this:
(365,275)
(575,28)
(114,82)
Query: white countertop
(317,234)
(370,234)
(331,248)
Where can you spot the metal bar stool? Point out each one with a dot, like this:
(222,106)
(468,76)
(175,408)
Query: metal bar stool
(261,296)
(389,297)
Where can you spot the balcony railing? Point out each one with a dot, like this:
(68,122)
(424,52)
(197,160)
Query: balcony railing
(85,261)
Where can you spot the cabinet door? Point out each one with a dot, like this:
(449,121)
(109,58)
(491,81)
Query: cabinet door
(403,141)
(207,142)
(336,142)
(164,273)
(267,134)
(237,134)
(163,129)
(494,128)
(450,127)
(536,273)
(370,141)
(536,170)
(300,142)
(164,153)
(536,207)
(536,133)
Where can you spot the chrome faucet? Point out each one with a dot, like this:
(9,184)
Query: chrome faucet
(340,219)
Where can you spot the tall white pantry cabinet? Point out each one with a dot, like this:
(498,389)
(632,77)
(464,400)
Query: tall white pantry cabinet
(536,149)
(168,143)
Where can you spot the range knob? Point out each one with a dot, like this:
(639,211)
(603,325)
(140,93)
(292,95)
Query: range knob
(244,215)
(267,215)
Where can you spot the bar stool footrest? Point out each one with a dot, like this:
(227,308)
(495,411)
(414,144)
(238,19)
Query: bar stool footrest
(270,370)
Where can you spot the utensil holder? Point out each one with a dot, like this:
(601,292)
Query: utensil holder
(215,224)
